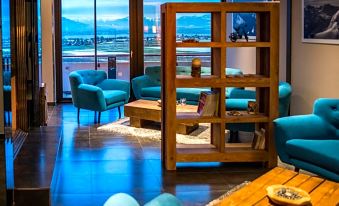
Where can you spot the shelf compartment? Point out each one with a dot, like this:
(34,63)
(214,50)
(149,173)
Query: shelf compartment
(248,44)
(210,154)
(200,44)
(203,81)
(247,81)
(245,118)
(194,117)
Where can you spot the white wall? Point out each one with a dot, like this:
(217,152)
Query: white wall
(48,71)
(315,68)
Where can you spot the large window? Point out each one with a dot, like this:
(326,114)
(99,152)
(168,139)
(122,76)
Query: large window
(95,35)
(189,26)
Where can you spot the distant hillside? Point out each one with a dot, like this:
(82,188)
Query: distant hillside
(70,27)
(185,24)
(317,19)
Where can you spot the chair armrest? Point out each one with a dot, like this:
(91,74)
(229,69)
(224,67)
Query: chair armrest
(90,97)
(237,93)
(299,127)
(141,82)
(116,84)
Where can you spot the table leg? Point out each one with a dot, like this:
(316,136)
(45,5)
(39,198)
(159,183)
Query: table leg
(186,129)
(136,122)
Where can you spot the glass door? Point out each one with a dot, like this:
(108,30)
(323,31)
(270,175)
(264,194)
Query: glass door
(78,45)
(95,35)
(113,38)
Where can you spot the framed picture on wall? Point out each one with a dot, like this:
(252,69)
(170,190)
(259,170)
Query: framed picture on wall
(320,21)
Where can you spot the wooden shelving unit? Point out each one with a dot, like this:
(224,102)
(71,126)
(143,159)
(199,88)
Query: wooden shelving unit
(265,80)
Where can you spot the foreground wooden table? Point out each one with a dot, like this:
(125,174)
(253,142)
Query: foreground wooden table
(141,111)
(323,192)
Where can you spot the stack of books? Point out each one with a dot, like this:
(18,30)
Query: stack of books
(208,103)
(259,139)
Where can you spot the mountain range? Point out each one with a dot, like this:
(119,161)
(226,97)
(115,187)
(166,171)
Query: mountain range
(185,25)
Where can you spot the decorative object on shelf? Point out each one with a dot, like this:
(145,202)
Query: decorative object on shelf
(252,107)
(159,102)
(234,113)
(259,140)
(320,21)
(208,103)
(286,195)
(182,101)
(196,67)
(239,32)
(190,41)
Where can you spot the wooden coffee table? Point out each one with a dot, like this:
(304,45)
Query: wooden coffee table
(322,192)
(141,112)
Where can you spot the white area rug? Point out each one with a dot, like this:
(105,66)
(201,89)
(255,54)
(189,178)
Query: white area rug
(153,132)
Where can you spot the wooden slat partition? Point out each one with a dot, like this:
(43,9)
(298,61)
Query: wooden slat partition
(19,65)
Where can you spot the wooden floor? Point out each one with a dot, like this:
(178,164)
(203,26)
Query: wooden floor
(93,165)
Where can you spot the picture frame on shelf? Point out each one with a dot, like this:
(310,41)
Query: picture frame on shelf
(320,21)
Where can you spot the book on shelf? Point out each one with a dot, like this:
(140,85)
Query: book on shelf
(208,103)
(259,139)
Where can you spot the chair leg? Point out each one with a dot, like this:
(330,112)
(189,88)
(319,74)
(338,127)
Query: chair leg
(296,169)
(119,112)
(9,118)
(99,116)
(78,115)
(95,117)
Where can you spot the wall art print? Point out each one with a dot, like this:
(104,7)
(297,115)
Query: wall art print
(320,21)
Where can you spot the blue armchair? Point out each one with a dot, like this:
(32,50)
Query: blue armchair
(93,91)
(311,142)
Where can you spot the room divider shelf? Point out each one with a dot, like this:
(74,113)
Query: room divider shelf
(265,79)
(200,44)
(245,118)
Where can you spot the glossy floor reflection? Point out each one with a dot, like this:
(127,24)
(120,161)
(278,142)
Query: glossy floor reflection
(93,165)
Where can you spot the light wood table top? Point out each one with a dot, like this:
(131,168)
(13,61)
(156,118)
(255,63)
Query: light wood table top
(323,192)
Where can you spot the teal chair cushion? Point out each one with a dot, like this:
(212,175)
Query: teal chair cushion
(323,153)
(114,96)
(121,199)
(151,92)
(164,199)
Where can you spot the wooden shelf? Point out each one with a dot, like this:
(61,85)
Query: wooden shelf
(194,117)
(200,44)
(213,155)
(203,81)
(246,118)
(267,62)
(248,44)
(247,81)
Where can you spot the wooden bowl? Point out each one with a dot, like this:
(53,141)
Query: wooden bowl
(286,195)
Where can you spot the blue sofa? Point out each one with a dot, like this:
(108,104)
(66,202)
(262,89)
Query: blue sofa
(148,87)
(238,100)
(311,142)
(122,199)
(93,91)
